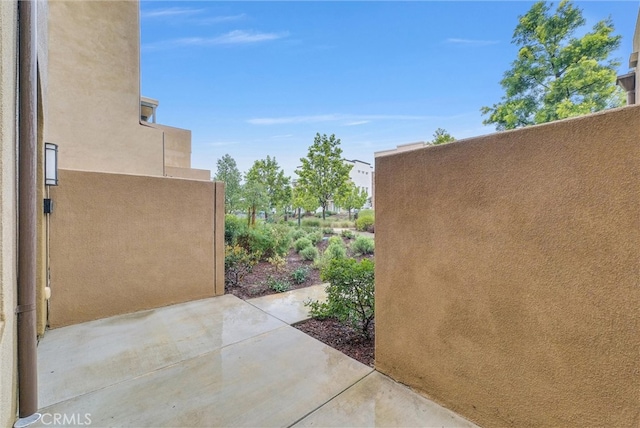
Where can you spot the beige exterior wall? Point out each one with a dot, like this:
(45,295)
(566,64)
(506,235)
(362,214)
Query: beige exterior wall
(123,243)
(94,89)
(43,81)
(507,286)
(402,148)
(190,173)
(635,54)
(8,280)
(177,146)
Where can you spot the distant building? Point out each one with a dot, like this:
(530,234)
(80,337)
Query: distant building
(362,176)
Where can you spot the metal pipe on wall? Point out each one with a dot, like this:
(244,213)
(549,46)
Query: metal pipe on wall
(27,213)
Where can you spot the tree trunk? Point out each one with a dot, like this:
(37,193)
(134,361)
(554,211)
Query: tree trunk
(298,217)
(349,213)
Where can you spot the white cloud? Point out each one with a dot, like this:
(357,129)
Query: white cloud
(219,19)
(472,42)
(349,118)
(241,37)
(236,37)
(292,119)
(170,12)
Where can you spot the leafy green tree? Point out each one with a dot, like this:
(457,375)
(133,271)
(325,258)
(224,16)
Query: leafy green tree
(276,184)
(351,197)
(227,171)
(254,199)
(441,136)
(323,173)
(303,200)
(557,75)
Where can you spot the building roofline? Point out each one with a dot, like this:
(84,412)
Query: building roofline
(356,160)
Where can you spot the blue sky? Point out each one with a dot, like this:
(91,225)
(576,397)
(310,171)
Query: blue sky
(253,79)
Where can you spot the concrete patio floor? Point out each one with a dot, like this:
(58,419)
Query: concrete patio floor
(216,362)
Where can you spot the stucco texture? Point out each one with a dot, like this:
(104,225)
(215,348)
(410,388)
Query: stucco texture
(507,272)
(41,245)
(94,89)
(8,275)
(122,243)
(177,146)
(636,50)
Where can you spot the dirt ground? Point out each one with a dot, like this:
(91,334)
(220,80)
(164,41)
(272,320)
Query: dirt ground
(342,338)
(329,331)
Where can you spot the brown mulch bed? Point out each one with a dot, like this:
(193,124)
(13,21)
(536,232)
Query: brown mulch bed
(254,284)
(328,331)
(342,338)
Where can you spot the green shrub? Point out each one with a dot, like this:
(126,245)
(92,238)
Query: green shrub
(363,245)
(336,251)
(301,244)
(278,285)
(267,239)
(282,236)
(233,226)
(327,230)
(315,237)
(326,223)
(297,234)
(300,275)
(309,253)
(365,223)
(350,294)
(237,263)
(346,224)
(336,240)
(367,213)
(332,252)
(310,222)
(347,234)
(257,239)
(278,262)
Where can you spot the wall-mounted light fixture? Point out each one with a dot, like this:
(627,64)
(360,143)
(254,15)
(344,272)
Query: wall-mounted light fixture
(50,164)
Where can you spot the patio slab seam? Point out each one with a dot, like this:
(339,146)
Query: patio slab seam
(260,309)
(332,398)
(283,296)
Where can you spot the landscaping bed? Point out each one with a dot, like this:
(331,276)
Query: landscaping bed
(255,283)
(270,259)
(331,332)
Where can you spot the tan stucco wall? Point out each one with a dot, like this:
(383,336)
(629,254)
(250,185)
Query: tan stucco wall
(191,173)
(42,35)
(8,279)
(636,51)
(177,146)
(507,272)
(94,89)
(122,243)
